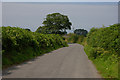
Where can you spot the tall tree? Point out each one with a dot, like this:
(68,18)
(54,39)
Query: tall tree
(56,23)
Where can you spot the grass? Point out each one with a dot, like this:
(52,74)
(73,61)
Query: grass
(107,65)
(106,68)
(105,61)
(102,46)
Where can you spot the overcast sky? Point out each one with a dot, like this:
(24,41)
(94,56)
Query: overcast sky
(83,16)
(60,0)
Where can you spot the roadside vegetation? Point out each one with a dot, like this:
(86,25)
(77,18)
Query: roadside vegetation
(0,50)
(19,45)
(79,36)
(102,45)
(103,48)
(73,38)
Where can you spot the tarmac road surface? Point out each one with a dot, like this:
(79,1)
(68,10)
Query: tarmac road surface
(67,62)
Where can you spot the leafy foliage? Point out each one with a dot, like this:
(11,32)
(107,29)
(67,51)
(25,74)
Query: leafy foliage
(73,38)
(102,47)
(107,38)
(27,29)
(81,32)
(55,23)
(19,44)
(104,50)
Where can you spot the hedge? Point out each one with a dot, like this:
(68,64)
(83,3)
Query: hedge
(19,45)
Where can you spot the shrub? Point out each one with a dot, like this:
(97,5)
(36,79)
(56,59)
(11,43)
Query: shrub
(104,50)
(107,38)
(74,38)
(19,44)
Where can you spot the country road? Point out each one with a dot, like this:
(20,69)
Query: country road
(67,62)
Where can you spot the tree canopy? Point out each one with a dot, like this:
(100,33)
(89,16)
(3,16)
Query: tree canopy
(81,32)
(55,23)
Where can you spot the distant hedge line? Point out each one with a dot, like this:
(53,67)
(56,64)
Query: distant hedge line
(19,44)
(74,38)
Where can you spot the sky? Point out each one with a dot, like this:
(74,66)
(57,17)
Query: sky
(82,16)
(60,0)
(0,14)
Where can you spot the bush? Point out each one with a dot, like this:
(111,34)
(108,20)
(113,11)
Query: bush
(104,50)
(19,44)
(107,38)
(74,38)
